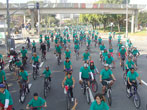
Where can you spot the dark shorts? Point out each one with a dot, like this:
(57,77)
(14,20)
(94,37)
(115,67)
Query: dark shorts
(123,57)
(86,79)
(22,81)
(105,83)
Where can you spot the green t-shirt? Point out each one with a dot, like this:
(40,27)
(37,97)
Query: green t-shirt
(40,40)
(95,38)
(4,96)
(48,41)
(129,63)
(109,60)
(100,40)
(18,64)
(86,56)
(24,75)
(37,103)
(134,52)
(106,74)
(67,54)
(85,72)
(47,73)
(92,70)
(122,51)
(132,76)
(2,74)
(120,45)
(67,64)
(35,59)
(102,106)
(77,46)
(102,47)
(68,40)
(1,56)
(105,54)
(58,49)
(68,81)
(110,37)
(110,50)
(64,41)
(33,44)
(56,41)
(24,52)
(89,41)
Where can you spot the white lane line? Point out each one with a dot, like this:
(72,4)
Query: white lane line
(144,82)
(41,64)
(91,96)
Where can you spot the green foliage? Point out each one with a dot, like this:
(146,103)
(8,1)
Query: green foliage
(142,19)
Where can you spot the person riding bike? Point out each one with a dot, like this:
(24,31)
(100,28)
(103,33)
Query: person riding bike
(37,103)
(43,49)
(122,54)
(70,82)
(14,54)
(99,41)
(35,60)
(105,54)
(67,65)
(24,53)
(130,64)
(84,74)
(67,53)
(6,101)
(23,77)
(106,74)
(86,56)
(109,60)
(111,50)
(58,51)
(102,47)
(48,43)
(76,48)
(1,62)
(132,75)
(135,53)
(99,103)
(110,38)
(119,38)
(18,64)
(33,46)
(28,41)
(65,41)
(95,38)
(93,67)
(2,76)
(47,72)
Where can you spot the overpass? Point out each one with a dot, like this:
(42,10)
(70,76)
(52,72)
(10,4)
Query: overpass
(75,8)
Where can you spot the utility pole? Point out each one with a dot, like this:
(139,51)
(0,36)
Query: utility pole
(126,18)
(37,6)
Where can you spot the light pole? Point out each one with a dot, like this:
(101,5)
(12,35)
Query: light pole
(126,18)
(37,6)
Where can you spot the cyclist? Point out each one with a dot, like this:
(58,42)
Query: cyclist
(64,41)
(135,53)
(76,48)
(58,51)
(47,72)
(111,50)
(28,41)
(33,46)
(56,41)
(43,50)
(110,39)
(48,43)
(99,103)
(93,67)
(68,41)
(105,53)
(99,41)
(6,101)
(84,74)
(119,38)
(13,53)
(132,75)
(1,62)
(67,53)
(129,64)
(70,82)
(86,56)
(102,47)
(95,39)
(24,53)
(76,41)
(36,103)
(122,54)
(18,64)
(35,59)
(52,36)
(89,42)
(106,74)
(67,65)
(109,60)
(2,76)
(23,77)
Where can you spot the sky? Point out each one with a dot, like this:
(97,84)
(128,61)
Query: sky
(73,1)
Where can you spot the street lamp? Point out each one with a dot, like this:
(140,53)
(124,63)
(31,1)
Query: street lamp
(37,6)
(127,18)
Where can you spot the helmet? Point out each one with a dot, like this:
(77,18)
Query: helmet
(122,46)
(85,65)
(106,65)
(2,86)
(11,49)
(46,67)
(132,68)
(91,61)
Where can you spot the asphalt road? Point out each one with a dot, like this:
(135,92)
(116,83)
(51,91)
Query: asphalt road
(56,98)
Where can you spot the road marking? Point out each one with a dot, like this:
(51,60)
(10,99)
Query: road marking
(91,96)
(41,64)
(144,82)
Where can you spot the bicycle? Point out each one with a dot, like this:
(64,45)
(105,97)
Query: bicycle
(94,84)
(123,63)
(95,42)
(108,92)
(48,47)
(133,93)
(58,58)
(86,90)
(47,86)
(77,53)
(23,91)
(36,108)
(43,57)
(135,59)
(24,59)
(68,97)
(35,71)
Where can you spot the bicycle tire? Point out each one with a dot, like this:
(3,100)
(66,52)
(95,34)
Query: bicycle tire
(11,67)
(135,99)
(124,78)
(68,101)
(94,86)
(45,90)
(34,74)
(58,60)
(109,98)
(88,96)
(20,98)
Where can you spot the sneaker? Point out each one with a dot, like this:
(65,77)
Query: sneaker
(72,99)
(128,90)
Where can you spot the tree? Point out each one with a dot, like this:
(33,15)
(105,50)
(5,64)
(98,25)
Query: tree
(142,19)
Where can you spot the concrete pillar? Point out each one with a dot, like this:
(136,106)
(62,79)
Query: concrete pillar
(132,24)
(136,20)
(32,19)
(24,19)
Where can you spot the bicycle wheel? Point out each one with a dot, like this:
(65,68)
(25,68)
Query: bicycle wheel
(22,96)
(137,101)
(11,67)
(94,86)
(58,60)
(109,97)
(45,90)
(88,96)
(124,78)
(68,102)
(34,74)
